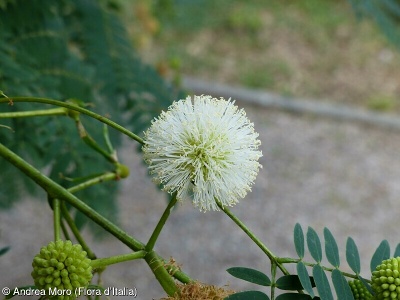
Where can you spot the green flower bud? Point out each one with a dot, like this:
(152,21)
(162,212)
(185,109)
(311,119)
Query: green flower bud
(385,281)
(359,290)
(122,170)
(61,265)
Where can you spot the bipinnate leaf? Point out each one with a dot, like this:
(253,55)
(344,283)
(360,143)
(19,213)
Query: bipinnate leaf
(397,251)
(314,244)
(250,275)
(293,296)
(41,62)
(331,249)
(322,283)
(305,278)
(341,285)
(352,256)
(381,253)
(299,240)
(248,295)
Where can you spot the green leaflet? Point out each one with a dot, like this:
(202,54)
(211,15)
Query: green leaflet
(250,275)
(397,251)
(289,282)
(247,295)
(314,244)
(4,250)
(331,249)
(299,240)
(381,253)
(366,284)
(322,283)
(341,285)
(293,296)
(305,278)
(352,256)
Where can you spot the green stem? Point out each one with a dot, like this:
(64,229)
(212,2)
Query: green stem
(154,236)
(65,231)
(273,275)
(67,216)
(88,140)
(160,272)
(255,239)
(354,276)
(57,219)
(177,273)
(288,260)
(75,108)
(35,113)
(103,262)
(75,231)
(107,140)
(99,179)
(56,191)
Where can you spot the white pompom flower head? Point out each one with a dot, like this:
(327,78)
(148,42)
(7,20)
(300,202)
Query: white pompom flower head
(203,149)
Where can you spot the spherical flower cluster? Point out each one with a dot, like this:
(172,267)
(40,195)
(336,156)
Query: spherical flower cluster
(203,149)
(386,279)
(360,292)
(63,266)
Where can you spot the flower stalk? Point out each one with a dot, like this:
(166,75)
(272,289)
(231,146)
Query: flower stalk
(251,235)
(98,179)
(75,231)
(57,219)
(154,236)
(65,231)
(88,140)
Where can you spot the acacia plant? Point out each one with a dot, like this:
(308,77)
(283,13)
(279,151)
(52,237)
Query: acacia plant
(69,68)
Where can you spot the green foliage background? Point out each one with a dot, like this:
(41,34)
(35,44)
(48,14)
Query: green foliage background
(71,49)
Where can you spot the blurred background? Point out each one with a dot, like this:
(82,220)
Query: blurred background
(326,50)
(317,171)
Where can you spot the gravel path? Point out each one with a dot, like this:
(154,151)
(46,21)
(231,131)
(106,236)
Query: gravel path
(318,172)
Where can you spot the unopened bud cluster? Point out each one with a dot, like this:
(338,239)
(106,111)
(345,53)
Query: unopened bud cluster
(63,266)
(386,279)
(360,292)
